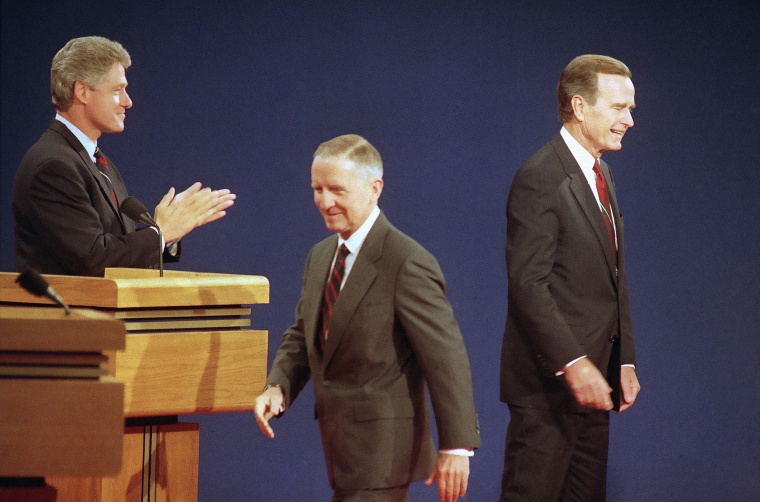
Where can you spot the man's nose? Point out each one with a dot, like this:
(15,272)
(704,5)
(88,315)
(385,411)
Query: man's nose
(324,201)
(628,118)
(126,101)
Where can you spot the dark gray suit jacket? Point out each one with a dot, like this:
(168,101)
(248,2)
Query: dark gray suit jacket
(64,219)
(567,297)
(392,333)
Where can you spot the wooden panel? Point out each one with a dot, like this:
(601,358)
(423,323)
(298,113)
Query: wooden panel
(127,314)
(165,471)
(50,329)
(77,489)
(127,288)
(208,324)
(67,427)
(185,373)
(42,494)
(128,485)
(178,454)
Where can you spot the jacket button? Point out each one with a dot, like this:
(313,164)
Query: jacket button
(326,382)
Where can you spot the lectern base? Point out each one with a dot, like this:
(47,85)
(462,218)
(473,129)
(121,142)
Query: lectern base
(159,464)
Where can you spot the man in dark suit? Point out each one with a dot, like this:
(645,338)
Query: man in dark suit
(372,351)
(67,195)
(568,355)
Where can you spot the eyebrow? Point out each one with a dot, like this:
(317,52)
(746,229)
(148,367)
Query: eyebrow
(624,105)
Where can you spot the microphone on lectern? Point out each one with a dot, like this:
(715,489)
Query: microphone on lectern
(137,211)
(32,281)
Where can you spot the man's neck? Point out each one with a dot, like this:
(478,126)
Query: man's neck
(575,129)
(73,116)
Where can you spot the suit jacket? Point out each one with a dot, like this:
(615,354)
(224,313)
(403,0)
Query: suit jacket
(64,219)
(392,332)
(567,297)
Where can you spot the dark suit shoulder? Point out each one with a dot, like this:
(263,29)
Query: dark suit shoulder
(544,173)
(545,164)
(51,156)
(398,246)
(326,245)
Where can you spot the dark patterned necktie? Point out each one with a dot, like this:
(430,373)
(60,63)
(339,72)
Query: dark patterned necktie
(604,198)
(332,289)
(102,165)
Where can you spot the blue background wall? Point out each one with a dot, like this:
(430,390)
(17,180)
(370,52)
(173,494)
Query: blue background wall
(455,95)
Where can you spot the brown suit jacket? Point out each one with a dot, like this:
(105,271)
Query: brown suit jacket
(392,334)
(566,296)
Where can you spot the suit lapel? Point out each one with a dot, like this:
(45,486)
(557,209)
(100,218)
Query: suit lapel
(79,148)
(363,274)
(585,198)
(613,202)
(318,270)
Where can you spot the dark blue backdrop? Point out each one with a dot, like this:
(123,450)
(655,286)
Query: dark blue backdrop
(455,95)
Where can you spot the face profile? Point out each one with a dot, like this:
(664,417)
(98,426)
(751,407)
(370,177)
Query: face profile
(105,105)
(604,123)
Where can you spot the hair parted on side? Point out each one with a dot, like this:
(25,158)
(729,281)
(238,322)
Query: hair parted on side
(356,149)
(580,78)
(84,59)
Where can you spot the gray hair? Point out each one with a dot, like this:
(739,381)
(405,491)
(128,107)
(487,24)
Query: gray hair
(356,149)
(85,59)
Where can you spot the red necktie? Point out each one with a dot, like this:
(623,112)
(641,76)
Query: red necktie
(332,289)
(102,165)
(604,198)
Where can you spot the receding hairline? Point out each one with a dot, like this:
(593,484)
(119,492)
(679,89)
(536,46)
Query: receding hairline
(356,151)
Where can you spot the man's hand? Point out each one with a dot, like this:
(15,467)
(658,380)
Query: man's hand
(266,406)
(176,215)
(629,387)
(588,385)
(452,472)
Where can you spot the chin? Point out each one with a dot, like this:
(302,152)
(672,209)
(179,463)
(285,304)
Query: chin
(334,228)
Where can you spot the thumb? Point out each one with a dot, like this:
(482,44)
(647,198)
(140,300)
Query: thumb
(429,481)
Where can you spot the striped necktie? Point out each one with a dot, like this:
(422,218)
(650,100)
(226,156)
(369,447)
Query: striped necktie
(332,289)
(604,198)
(102,164)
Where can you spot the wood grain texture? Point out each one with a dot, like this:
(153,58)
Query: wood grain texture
(60,426)
(184,373)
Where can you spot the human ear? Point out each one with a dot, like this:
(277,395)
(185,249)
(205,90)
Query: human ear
(579,107)
(82,91)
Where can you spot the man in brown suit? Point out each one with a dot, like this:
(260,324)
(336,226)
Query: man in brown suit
(391,334)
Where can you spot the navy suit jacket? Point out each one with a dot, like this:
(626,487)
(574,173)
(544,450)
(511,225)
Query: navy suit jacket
(567,296)
(64,219)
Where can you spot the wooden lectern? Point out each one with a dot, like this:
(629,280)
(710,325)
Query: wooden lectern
(60,412)
(187,351)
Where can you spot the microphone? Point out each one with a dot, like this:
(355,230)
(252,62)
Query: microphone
(33,282)
(136,210)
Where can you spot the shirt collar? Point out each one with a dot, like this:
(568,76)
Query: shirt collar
(584,159)
(88,144)
(355,240)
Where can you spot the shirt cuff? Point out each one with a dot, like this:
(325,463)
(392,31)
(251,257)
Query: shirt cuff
(462,452)
(562,371)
